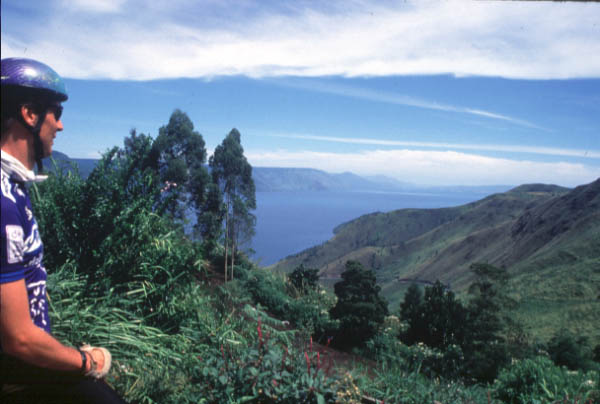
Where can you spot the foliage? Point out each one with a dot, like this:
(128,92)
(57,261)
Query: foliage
(485,348)
(123,275)
(309,311)
(268,372)
(539,380)
(471,337)
(232,174)
(438,321)
(180,155)
(113,231)
(359,308)
(411,312)
(565,349)
(304,279)
(443,316)
(393,383)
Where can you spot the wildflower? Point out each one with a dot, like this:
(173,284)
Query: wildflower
(260,336)
(307,362)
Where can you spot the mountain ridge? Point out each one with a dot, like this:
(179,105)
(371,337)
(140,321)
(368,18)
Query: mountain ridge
(291,179)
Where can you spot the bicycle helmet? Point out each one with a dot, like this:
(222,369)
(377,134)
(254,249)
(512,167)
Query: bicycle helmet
(30,81)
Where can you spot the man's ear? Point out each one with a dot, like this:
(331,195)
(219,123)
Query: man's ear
(30,116)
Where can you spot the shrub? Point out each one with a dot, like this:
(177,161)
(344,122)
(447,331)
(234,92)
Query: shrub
(540,380)
(304,279)
(269,372)
(567,350)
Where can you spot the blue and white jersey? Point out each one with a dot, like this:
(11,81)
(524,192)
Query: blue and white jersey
(22,248)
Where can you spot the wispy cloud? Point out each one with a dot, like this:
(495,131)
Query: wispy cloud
(549,151)
(398,99)
(433,167)
(141,40)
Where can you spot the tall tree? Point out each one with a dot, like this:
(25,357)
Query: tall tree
(232,174)
(181,156)
(443,317)
(411,311)
(209,225)
(360,309)
(485,347)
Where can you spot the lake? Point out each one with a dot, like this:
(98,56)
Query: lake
(290,222)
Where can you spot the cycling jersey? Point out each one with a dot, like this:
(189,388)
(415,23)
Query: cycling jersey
(22,249)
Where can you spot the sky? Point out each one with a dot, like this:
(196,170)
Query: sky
(428,92)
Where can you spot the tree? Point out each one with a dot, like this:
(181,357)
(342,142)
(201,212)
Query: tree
(210,222)
(443,318)
(485,348)
(304,279)
(411,311)
(566,349)
(180,155)
(359,307)
(232,174)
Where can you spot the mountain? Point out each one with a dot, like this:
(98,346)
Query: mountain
(85,166)
(548,237)
(268,179)
(276,179)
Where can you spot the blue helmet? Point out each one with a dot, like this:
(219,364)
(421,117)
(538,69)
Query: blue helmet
(32,76)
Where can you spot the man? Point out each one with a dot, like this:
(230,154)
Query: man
(35,367)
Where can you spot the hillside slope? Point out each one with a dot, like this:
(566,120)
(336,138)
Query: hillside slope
(548,237)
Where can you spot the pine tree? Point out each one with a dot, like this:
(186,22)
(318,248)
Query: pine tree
(485,347)
(411,311)
(360,309)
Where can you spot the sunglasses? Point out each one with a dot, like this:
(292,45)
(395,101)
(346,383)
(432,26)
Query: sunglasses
(56,110)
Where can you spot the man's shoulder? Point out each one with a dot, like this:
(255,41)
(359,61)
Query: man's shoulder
(11,200)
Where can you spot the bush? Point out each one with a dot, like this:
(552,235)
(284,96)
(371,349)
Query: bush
(304,279)
(540,380)
(268,372)
(268,291)
(567,350)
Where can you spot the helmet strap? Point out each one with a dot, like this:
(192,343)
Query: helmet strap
(34,130)
(38,147)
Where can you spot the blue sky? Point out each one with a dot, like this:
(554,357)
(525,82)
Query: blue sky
(427,92)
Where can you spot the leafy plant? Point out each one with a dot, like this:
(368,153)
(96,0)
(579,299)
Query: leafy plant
(567,350)
(539,380)
(304,279)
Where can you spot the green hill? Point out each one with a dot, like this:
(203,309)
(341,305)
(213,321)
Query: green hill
(64,162)
(548,237)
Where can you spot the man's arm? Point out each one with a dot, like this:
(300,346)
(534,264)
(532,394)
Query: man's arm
(22,339)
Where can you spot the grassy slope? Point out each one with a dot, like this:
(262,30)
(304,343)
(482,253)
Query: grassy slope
(548,238)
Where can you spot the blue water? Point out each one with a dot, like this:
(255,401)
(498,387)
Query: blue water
(290,222)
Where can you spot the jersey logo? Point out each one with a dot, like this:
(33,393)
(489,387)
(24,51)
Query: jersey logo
(15,245)
(6,188)
(29,213)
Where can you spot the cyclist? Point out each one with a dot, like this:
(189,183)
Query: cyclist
(34,366)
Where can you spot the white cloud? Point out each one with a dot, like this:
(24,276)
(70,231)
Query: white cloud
(94,6)
(549,151)
(433,167)
(134,40)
